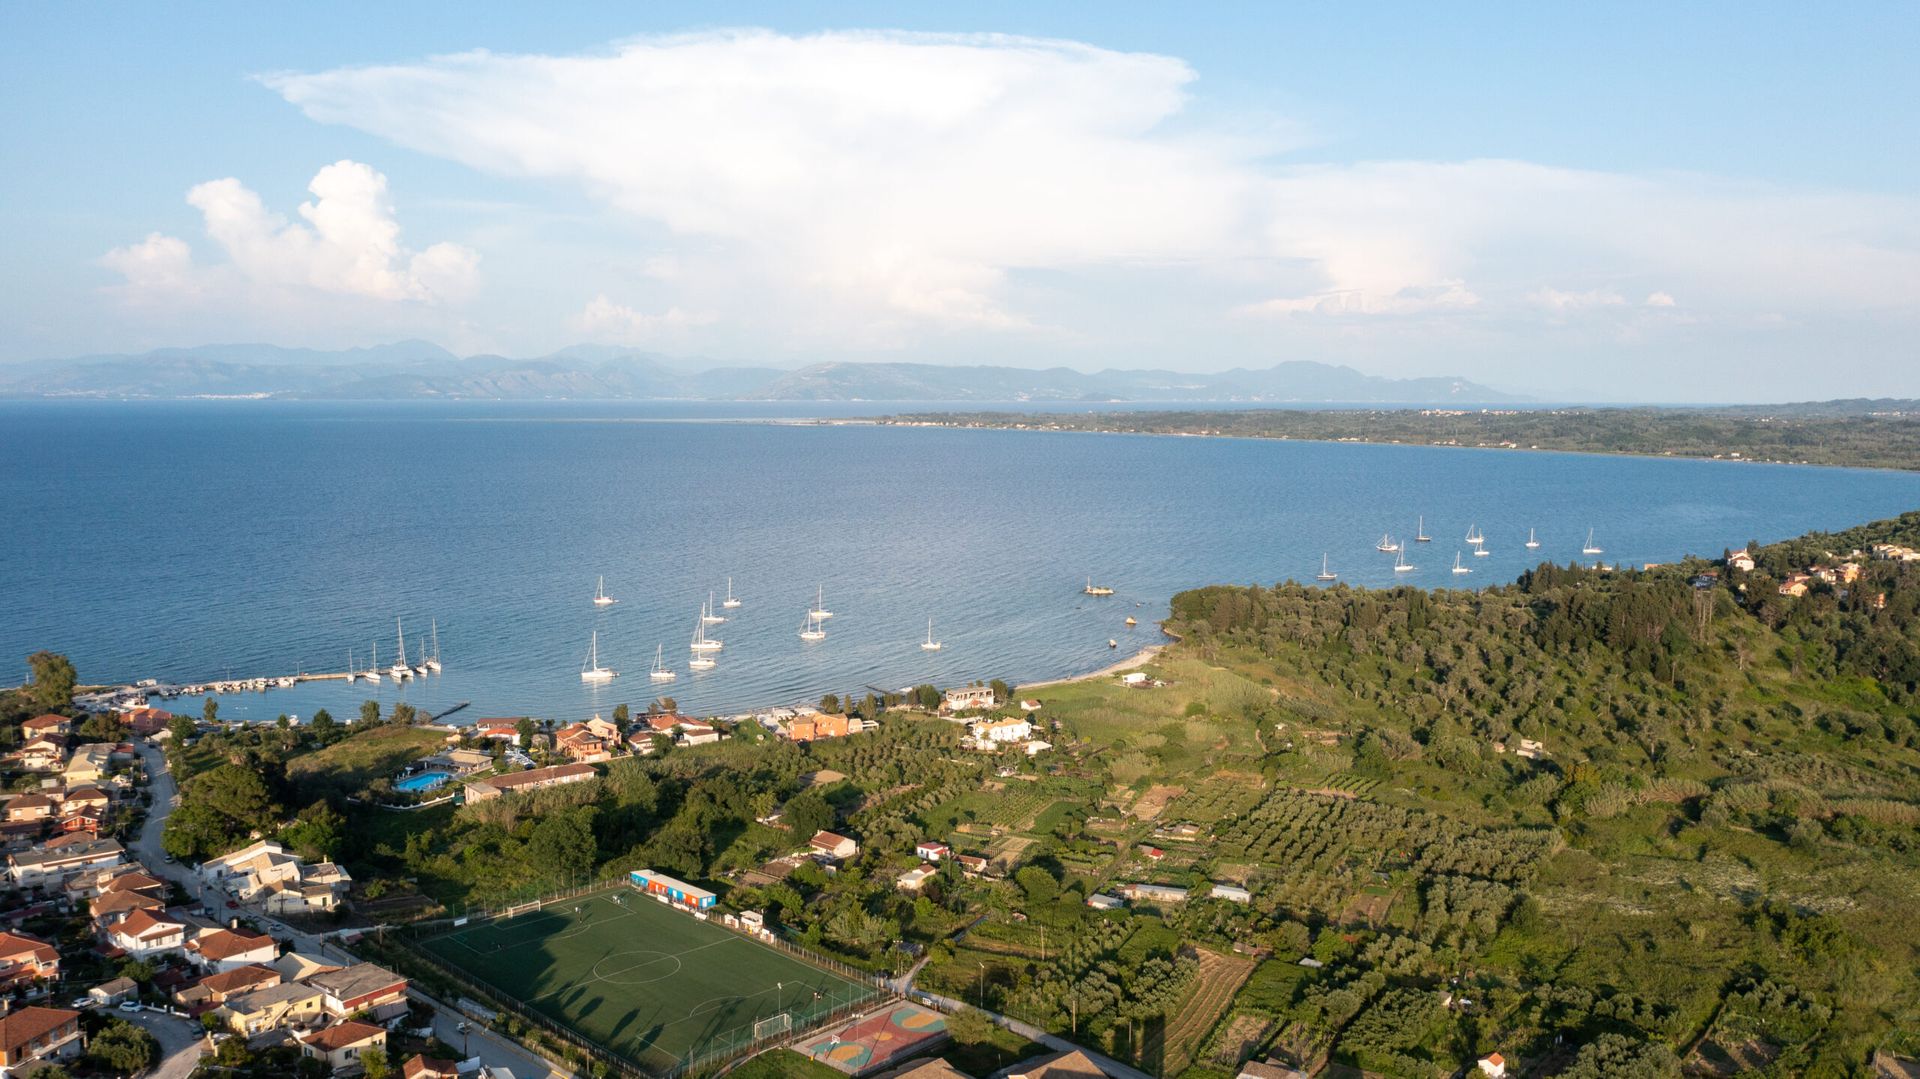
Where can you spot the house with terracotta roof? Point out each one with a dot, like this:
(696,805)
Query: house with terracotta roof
(339,1046)
(362,987)
(1069,1065)
(31,806)
(29,1034)
(90,763)
(482,790)
(85,796)
(1493,1066)
(422,1066)
(26,959)
(145,933)
(46,724)
(930,851)
(225,949)
(215,989)
(111,908)
(833,845)
(579,743)
(44,753)
(85,821)
(993,733)
(498,730)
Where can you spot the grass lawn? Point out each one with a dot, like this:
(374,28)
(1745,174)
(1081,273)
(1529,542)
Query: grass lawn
(648,983)
(357,760)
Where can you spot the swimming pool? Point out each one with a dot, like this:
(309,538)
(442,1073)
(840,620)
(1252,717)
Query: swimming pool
(421,781)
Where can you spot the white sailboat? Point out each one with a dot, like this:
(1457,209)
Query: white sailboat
(700,661)
(420,668)
(400,670)
(351,673)
(811,630)
(708,616)
(1531,542)
(1474,535)
(1457,567)
(1591,548)
(433,661)
(1420,531)
(1400,563)
(1480,551)
(600,597)
(373,672)
(1386,544)
(820,612)
(592,671)
(702,642)
(1096,589)
(660,673)
(730,602)
(930,645)
(1325,574)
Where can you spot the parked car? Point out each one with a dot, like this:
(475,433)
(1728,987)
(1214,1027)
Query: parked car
(129,1005)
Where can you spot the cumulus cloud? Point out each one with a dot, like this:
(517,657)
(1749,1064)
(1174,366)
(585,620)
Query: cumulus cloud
(349,245)
(604,320)
(1659,299)
(1554,299)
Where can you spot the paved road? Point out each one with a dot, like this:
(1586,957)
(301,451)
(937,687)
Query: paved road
(180,1042)
(494,1050)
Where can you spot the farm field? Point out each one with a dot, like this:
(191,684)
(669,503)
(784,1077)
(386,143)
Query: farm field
(650,984)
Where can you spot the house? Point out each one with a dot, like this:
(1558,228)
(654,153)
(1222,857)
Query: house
(674,891)
(994,733)
(25,959)
(362,987)
(1493,1065)
(46,724)
(482,790)
(1153,853)
(145,933)
(216,989)
(1102,901)
(224,949)
(339,1046)
(146,722)
(973,865)
(1070,1065)
(1134,679)
(1154,893)
(1741,561)
(52,864)
(833,846)
(29,1034)
(107,994)
(1029,706)
(1038,746)
(695,733)
(32,806)
(507,731)
(1795,585)
(113,907)
(90,763)
(295,967)
(967,698)
(819,725)
(579,743)
(925,1069)
(1232,893)
(272,1007)
(930,851)
(421,1066)
(916,878)
(46,753)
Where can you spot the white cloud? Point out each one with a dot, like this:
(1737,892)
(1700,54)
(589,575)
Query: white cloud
(1659,299)
(1554,299)
(606,321)
(348,246)
(1407,300)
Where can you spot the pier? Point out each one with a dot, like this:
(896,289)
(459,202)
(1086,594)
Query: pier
(136,695)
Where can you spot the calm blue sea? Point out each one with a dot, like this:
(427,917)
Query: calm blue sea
(189,541)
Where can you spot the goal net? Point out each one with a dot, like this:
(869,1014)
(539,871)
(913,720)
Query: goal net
(523,908)
(772,1025)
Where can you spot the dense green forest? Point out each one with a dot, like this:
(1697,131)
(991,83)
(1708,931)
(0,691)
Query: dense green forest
(1867,434)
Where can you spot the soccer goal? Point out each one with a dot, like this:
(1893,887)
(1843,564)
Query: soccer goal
(523,908)
(772,1026)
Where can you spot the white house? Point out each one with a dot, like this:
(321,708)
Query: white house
(224,949)
(1493,1066)
(916,878)
(930,851)
(994,733)
(968,698)
(143,934)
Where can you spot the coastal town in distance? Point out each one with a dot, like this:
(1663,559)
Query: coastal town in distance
(887,542)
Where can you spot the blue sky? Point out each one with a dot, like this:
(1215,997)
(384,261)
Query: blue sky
(1701,202)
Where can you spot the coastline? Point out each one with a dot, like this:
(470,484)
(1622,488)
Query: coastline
(1144,656)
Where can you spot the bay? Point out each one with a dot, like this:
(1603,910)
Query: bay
(188,541)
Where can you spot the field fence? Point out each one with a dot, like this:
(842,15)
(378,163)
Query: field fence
(804,1017)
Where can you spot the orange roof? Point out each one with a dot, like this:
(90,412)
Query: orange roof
(12,944)
(225,943)
(27,1025)
(142,924)
(133,882)
(420,1064)
(342,1035)
(238,978)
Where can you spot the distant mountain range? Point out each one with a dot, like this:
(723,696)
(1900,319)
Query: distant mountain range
(418,370)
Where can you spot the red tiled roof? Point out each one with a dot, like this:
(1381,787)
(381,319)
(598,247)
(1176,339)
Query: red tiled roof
(238,978)
(225,943)
(24,1026)
(142,924)
(342,1035)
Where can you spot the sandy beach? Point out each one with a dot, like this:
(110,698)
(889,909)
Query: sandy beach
(1145,655)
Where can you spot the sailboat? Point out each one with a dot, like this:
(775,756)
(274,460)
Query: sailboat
(1474,535)
(702,642)
(1457,567)
(1531,542)
(811,630)
(700,661)
(930,645)
(592,671)
(372,673)
(433,661)
(1386,544)
(820,612)
(1400,563)
(1590,548)
(351,673)
(1325,574)
(660,673)
(420,668)
(1096,589)
(708,616)
(400,670)
(730,602)
(1480,550)
(600,597)
(1420,531)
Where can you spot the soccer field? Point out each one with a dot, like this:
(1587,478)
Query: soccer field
(650,983)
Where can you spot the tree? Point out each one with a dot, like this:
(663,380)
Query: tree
(317,833)
(807,813)
(140,970)
(622,716)
(373,1061)
(101,727)
(562,845)
(830,704)
(51,689)
(969,1027)
(210,711)
(403,715)
(182,730)
(1037,883)
(1001,691)
(524,732)
(1615,1056)
(928,697)
(123,1048)
(323,727)
(369,712)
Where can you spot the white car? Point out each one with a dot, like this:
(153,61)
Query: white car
(130,1006)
